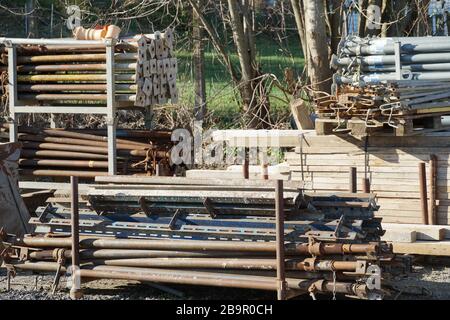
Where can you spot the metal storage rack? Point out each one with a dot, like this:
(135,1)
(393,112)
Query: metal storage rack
(17,106)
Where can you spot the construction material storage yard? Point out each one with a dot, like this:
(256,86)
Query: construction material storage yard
(328,181)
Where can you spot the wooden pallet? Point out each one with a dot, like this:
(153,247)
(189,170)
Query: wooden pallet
(405,126)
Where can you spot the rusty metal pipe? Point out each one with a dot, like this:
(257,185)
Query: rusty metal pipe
(75,97)
(74,67)
(87,149)
(73,87)
(66,96)
(353,188)
(62,173)
(219,263)
(433,219)
(180,277)
(58,49)
(230,263)
(423,192)
(216,279)
(365,185)
(136,254)
(81,142)
(279,228)
(63,163)
(32,153)
(95,57)
(76,135)
(73,77)
(75,292)
(192,245)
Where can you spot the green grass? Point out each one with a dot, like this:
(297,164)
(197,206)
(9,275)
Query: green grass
(222,100)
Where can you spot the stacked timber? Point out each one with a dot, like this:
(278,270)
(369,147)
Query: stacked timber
(145,72)
(84,153)
(214,233)
(390,164)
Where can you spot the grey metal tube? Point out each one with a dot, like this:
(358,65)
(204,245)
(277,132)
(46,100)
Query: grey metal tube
(388,48)
(411,67)
(386,60)
(377,78)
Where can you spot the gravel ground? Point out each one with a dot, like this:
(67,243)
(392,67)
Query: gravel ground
(424,283)
(23,288)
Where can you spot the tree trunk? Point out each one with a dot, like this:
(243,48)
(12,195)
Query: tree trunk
(362,6)
(198,58)
(335,24)
(255,103)
(316,38)
(297,8)
(33,21)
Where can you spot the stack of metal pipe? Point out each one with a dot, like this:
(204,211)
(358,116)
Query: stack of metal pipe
(331,241)
(389,82)
(84,153)
(77,74)
(373,60)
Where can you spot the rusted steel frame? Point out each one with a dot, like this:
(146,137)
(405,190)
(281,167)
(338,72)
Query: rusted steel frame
(73,77)
(32,153)
(353,187)
(136,254)
(81,142)
(75,237)
(73,67)
(72,87)
(433,190)
(366,185)
(91,57)
(279,229)
(89,149)
(317,249)
(423,192)
(62,173)
(245,165)
(63,163)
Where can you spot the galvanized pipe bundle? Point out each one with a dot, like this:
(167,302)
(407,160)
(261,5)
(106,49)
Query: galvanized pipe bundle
(398,86)
(372,61)
(62,152)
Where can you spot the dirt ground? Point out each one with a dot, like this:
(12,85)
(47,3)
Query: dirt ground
(426,282)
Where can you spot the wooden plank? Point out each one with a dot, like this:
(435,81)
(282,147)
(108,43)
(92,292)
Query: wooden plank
(301,115)
(423,232)
(207,178)
(230,175)
(396,236)
(427,248)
